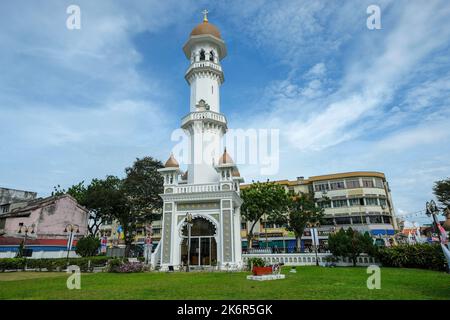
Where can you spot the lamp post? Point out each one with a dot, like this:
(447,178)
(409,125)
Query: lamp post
(25,229)
(188,222)
(70,228)
(313,228)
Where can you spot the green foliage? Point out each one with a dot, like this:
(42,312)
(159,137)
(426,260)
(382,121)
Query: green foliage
(302,210)
(260,199)
(114,265)
(143,185)
(422,256)
(88,246)
(255,262)
(52,264)
(441,190)
(350,243)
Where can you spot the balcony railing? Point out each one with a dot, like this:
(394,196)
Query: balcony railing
(200,115)
(197,188)
(204,64)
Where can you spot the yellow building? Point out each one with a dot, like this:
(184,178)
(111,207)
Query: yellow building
(361,200)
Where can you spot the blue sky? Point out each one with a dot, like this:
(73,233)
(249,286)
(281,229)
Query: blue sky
(75,105)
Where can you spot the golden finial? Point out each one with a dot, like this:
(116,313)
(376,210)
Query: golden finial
(205,15)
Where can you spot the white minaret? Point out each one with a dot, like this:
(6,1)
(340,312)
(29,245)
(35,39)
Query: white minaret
(207,196)
(204,124)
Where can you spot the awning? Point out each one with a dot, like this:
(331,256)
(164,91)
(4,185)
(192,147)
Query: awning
(376,232)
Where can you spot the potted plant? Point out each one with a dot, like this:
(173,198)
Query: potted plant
(258,267)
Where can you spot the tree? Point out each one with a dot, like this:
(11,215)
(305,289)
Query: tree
(302,209)
(87,196)
(88,246)
(143,185)
(350,243)
(441,190)
(267,198)
(77,191)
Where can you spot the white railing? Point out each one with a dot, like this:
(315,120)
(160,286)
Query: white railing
(307,259)
(197,188)
(199,115)
(204,64)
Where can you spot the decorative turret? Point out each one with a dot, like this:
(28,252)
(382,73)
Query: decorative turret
(228,172)
(170,173)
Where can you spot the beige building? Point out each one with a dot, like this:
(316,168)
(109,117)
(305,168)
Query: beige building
(361,200)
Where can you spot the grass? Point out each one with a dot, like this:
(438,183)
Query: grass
(307,283)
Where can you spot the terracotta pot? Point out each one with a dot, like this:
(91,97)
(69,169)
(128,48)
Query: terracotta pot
(260,271)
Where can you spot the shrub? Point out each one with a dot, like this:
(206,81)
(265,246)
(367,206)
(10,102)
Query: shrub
(53,264)
(114,265)
(255,262)
(120,266)
(12,264)
(88,246)
(350,243)
(422,256)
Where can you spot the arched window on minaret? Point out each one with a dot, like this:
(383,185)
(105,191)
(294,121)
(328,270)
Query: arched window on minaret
(202,55)
(211,56)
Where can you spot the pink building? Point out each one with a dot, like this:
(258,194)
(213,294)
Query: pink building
(44,219)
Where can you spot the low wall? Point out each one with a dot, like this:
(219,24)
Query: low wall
(306,259)
(40,254)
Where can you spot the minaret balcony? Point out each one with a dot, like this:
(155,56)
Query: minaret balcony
(204,66)
(205,116)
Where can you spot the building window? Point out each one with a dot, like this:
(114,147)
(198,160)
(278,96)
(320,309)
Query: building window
(339,203)
(383,202)
(375,219)
(379,183)
(371,201)
(2,223)
(244,226)
(387,219)
(324,204)
(368,183)
(4,208)
(328,222)
(355,202)
(322,187)
(202,55)
(343,220)
(357,220)
(211,56)
(352,184)
(337,185)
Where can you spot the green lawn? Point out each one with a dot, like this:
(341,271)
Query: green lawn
(307,283)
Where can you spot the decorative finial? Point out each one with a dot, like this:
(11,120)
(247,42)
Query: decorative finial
(205,15)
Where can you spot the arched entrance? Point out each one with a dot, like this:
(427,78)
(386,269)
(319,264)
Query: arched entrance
(203,243)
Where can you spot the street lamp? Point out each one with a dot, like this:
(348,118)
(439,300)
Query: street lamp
(25,229)
(313,228)
(70,228)
(188,222)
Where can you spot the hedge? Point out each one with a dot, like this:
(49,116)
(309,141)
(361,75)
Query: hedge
(422,256)
(52,264)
